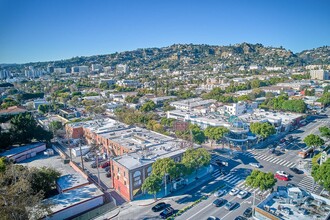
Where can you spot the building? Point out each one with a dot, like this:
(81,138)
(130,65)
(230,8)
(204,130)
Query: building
(292,203)
(128,83)
(75,201)
(189,104)
(133,150)
(319,74)
(19,154)
(38,102)
(121,68)
(13,110)
(79,69)
(68,113)
(159,101)
(97,67)
(130,170)
(273,68)
(235,108)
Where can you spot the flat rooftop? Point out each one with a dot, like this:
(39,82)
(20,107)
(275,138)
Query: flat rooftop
(137,138)
(73,197)
(309,206)
(69,179)
(17,150)
(142,158)
(260,114)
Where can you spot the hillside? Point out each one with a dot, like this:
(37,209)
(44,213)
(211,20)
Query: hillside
(197,57)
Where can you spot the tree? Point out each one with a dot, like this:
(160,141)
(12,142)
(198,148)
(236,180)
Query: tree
(163,166)
(313,140)
(152,184)
(197,133)
(325,131)
(325,98)
(193,159)
(43,179)
(148,106)
(215,133)
(262,130)
(18,198)
(132,99)
(54,126)
(321,174)
(23,126)
(258,179)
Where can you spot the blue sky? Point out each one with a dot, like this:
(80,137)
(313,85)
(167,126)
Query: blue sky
(45,30)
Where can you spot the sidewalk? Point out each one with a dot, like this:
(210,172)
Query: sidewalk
(146,200)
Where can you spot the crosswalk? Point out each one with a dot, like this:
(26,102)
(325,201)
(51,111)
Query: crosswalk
(234,180)
(269,158)
(307,183)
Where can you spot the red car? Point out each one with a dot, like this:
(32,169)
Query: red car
(106,164)
(280,177)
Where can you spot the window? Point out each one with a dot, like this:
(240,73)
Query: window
(137,178)
(125,183)
(124,173)
(149,170)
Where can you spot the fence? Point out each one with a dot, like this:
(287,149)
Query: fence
(96,212)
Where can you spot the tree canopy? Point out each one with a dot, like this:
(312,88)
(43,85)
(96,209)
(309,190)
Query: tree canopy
(258,179)
(152,184)
(262,130)
(193,159)
(148,106)
(321,174)
(22,189)
(325,131)
(215,133)
(313,140)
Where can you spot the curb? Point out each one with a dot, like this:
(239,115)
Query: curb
(115,215)
(157,200)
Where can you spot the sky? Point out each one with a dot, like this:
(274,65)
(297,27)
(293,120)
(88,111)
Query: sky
(47,30)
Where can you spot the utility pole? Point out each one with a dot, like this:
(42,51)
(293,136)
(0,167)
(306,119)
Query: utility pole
(165,184)
(98,171)
(81,157)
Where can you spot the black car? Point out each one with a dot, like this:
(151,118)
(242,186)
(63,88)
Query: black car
(218,202)
(248,212)
(296,170)
(108,174)
(167,213)
(277,153)
(158,207)
(240,218)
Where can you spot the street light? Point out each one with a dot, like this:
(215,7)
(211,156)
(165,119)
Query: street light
(165,184)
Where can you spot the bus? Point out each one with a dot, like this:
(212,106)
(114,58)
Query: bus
(306,152)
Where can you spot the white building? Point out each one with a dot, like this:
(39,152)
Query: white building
(97,67)
(189,104)
(128,83)
(235,108)
(121,68)
(273,68)
(319,74)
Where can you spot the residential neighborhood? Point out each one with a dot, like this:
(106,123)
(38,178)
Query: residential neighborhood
(144,110)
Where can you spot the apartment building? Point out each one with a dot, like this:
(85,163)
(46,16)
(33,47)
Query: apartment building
(133,149)
(319,74)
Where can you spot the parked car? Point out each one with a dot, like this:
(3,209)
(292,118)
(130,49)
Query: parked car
(256,165)
(220,193)
(280,177)
(248,212)
(212,218)
(277,153)
(242,194)
(230,205)
(282,173)
(108,174)
(234,191)
(167,213)
(105,164)
(219,202)
(296,170)
(93,165)
(158,207)
(107,169)
(240,218)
